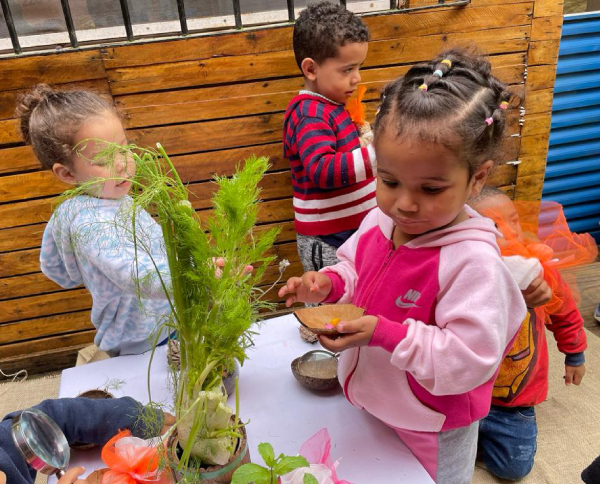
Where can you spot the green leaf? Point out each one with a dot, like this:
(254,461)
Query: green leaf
(267,453)
(288,464)
(310,479)
(251,473)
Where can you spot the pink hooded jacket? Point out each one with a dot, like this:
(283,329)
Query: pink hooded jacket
(448,309)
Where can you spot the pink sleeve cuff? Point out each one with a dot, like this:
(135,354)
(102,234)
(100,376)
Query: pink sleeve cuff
(337,287)
(388,334)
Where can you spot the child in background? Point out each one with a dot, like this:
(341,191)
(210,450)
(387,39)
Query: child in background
(88,240)
(441,308)
(508,435)
(82,420)
(332,175)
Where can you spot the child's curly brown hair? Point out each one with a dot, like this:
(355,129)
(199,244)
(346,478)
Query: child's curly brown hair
(322,28)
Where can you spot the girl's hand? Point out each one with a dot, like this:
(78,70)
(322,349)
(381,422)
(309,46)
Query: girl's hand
(312,287)
(168,422)
(538,293)
(574,374)
(220,263)
(71,476)
(353,333)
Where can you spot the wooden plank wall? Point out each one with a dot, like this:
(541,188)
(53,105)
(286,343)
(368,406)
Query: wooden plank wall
(212,101)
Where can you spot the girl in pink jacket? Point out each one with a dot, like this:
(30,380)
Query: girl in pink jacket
(441,308)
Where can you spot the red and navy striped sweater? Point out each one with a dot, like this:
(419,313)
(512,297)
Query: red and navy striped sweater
(332,176)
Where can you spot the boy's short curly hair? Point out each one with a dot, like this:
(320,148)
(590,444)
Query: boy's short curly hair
(322,28)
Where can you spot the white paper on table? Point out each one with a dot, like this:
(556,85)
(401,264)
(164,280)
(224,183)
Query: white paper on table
(278,409)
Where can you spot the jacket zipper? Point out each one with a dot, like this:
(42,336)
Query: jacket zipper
(376,278)
(364,300)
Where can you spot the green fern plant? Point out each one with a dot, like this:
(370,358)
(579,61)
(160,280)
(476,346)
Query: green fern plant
(211,311)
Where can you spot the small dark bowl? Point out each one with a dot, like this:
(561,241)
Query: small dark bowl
(96,394)
(313,383)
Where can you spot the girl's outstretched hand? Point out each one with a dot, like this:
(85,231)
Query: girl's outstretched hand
(71,476)
(312,287)
(220,264)
(353,333)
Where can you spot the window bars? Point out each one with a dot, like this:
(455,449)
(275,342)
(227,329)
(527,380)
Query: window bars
(237,13)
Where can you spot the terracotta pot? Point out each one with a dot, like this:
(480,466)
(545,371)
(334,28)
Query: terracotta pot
(213,474)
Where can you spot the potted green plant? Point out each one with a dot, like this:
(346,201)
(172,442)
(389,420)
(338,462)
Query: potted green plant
(275,468)
(212,309)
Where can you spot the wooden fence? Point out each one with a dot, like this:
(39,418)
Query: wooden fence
(214,100)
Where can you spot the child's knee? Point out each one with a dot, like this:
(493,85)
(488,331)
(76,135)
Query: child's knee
(512,467)
(514,472)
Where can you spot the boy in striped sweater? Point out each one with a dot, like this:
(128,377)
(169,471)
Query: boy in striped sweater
(332,170)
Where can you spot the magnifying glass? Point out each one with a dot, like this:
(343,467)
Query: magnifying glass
(41,442)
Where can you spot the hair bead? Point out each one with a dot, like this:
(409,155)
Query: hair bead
(489,121)
(504,105)
(423,87)
(438,73)
(448,62)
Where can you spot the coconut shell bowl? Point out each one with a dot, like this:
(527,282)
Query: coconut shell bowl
(316,370)
(323,319)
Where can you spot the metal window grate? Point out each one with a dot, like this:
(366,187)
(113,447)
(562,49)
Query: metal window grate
(10,25)
(69,21)
(126,19)
(182,17)
(237,13)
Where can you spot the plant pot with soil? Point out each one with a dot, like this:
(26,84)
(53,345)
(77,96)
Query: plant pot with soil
(194,472)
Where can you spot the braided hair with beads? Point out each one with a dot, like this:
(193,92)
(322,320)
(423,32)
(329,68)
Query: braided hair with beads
(454,100)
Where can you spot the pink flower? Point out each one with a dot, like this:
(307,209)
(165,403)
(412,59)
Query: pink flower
(316,451)
(320,472)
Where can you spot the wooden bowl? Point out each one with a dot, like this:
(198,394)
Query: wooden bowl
(96,394)
(314,382)
(318,317)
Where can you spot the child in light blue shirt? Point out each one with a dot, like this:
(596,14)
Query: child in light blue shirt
(89,238)
(88,241)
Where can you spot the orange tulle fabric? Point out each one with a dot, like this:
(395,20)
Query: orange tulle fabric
(133,464)
(356,108)
(546,237)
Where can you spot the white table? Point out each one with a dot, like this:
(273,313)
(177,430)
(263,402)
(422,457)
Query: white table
(279,409)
